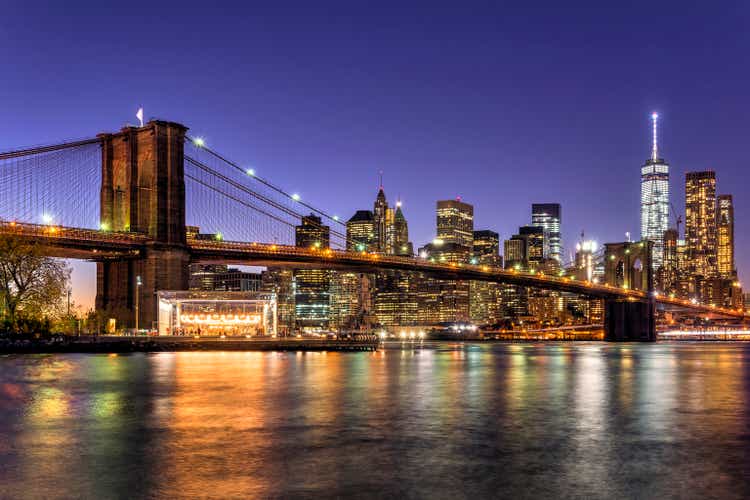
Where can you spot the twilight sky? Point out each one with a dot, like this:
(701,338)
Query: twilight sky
(501,104)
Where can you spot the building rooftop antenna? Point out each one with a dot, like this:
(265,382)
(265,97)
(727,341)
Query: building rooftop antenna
(654,148)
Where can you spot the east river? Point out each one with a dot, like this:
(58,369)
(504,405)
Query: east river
(447,420)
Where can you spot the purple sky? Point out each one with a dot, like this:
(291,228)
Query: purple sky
(503,106)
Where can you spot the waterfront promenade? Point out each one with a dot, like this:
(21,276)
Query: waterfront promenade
(124,344)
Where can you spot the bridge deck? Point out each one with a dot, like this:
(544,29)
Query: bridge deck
(97,245)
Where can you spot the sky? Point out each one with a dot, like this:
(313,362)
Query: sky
(504,104)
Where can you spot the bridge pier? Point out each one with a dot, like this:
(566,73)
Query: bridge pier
(118,288)
(143,191)
(626,320)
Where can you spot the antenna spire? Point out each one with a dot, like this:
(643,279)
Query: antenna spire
(655,147)
(381,179)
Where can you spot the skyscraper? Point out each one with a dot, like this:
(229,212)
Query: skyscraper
(487,248)
(725,237)
(700,223)
(360,232)
(655,200)
(547,216)
(312,286)
(401,244)
(455,222)
(380,221)
(536,246)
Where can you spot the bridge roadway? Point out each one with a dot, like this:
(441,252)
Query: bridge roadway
(66,242)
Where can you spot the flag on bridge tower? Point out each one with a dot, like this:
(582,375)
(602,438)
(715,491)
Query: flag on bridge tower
(139,115)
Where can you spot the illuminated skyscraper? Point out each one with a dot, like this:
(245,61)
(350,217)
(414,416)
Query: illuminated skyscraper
(400,240)
(312,286)
(547,216)
(655,200)
(487,248)
(536,246)
(380,220)
(484,297)
(360,232)
(725,229)
(700,223)
(455,222)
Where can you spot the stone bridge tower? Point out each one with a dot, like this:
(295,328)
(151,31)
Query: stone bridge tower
(628,265)
(143,191)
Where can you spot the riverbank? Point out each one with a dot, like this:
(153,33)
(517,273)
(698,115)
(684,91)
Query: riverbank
(114,344)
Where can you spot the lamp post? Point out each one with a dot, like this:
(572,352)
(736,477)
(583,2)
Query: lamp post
(138,284)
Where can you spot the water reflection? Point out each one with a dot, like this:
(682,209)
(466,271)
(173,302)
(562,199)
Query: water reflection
(436,420)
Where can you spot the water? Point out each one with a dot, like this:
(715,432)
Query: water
(563,420)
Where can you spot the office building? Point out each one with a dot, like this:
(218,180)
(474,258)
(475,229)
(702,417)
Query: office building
(487,248)
(280,282)
(401,244)
(312,286)
(514,250)
(536,238)
(455,222)
(655,199)
(381,216)
(547,216)
(725,237)
(700,223)
(360,232)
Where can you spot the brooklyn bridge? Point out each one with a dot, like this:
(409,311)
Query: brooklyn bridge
(125,200)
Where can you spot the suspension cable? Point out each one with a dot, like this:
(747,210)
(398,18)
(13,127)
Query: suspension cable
(264,181)
(46,149)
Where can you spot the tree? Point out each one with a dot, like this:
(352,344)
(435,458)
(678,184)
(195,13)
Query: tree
(32,285)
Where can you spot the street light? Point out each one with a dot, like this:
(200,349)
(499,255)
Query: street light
(138,284)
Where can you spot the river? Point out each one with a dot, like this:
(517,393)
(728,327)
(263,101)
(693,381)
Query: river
(433,420)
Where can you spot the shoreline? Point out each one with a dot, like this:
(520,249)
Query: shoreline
(107,344)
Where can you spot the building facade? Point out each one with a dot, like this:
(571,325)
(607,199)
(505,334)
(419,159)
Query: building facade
(700,223)
(725,237)
(548,217)
(655,200)
(312,286)
(455,222)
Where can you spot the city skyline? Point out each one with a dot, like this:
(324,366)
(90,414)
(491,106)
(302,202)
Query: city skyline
(548,133)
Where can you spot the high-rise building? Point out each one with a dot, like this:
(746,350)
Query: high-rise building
(312,233)
(535,245)
(669,271)
(547,216)
(725,237)
(395,301)
(585,265)
(380,221)
(203,276)
(280,281)
(487,248)
(484,297)
(655,200)
(360,232)
(455,222)
(312,286)
(700,223)
(351,301)
(514,250)
(401,244)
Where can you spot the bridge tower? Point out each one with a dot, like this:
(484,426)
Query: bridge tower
(628,265)
(143,191)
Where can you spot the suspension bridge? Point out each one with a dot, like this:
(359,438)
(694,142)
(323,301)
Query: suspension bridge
(125,200)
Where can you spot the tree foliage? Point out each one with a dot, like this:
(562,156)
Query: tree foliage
(32,285)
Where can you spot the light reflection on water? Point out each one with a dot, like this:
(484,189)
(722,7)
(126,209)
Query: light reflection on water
(450,420)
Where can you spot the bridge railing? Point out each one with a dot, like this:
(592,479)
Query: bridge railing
(419,264)
(69,233)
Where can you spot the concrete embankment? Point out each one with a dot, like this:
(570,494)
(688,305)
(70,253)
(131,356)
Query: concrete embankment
(111,344)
